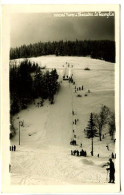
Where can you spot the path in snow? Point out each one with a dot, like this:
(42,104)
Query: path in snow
(58,126)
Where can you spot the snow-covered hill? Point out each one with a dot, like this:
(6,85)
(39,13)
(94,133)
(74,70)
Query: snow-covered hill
(44,156)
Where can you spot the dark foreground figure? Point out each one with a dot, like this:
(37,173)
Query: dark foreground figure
(111,170)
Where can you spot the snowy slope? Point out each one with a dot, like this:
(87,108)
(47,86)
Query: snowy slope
(44,156)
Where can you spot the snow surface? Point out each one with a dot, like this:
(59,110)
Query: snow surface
(44,156)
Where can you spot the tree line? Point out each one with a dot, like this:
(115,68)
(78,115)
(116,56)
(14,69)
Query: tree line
(28,82)
(101,49)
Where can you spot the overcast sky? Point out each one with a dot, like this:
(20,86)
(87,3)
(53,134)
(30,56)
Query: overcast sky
(32,28)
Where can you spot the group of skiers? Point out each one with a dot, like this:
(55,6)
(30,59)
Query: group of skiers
(78,153)
(13,148)
(75,121)
(113,155)
(79,88)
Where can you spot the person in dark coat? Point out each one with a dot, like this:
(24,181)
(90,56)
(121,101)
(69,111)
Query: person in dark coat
(12,148)
(111,170)
(112,155)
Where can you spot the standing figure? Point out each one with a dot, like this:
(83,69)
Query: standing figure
(107,147)
(112,155)
(111,170)
(77,153)
(12,148)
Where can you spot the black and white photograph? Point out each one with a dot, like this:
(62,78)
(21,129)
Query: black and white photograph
(63,98)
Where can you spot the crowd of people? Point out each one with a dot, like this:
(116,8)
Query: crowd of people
(79,153)
(75,120)
(13,148)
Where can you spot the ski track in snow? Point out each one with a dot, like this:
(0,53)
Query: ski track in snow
(44,157)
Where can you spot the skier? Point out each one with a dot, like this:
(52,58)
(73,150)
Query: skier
(107,147)
(111,170)
(12,148)
(77,153)
(112,155)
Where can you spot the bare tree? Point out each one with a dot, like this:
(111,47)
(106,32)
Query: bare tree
(101,119)
(111,124)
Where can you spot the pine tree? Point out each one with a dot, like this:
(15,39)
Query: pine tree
(91,130)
